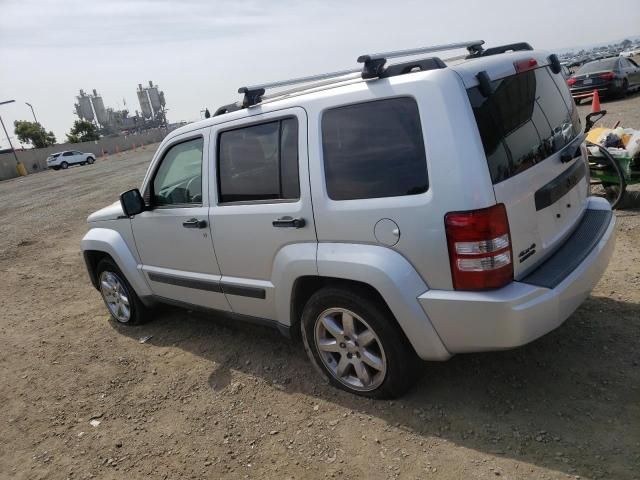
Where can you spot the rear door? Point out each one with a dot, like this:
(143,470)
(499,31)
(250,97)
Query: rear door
(261,202)
(532,138)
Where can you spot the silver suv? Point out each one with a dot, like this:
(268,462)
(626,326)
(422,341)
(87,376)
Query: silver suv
(383,215)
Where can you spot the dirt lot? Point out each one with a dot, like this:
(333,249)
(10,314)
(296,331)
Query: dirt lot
(206,398)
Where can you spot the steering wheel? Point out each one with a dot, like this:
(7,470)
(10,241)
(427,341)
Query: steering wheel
(193,194)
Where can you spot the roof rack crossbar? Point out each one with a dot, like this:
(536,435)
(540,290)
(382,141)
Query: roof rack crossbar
(374,62)
(373,67)
(472,46)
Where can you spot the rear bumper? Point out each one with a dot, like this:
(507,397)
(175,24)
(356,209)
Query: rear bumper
(520,312)
(604,88)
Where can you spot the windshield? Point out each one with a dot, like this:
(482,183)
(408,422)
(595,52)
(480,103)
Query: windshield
(598,66)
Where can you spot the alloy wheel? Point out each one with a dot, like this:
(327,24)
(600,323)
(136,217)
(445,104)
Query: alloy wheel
(115,296)
(350,349)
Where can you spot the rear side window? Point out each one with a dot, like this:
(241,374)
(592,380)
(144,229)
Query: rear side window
(527,118)
(374,150)
(598,66)
(259,162)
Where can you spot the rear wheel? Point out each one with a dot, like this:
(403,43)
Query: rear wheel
(121,300)
(64,165)
(354,341)
(625,88)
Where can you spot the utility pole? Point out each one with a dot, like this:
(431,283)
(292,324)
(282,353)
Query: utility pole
(33,112)
(19,166)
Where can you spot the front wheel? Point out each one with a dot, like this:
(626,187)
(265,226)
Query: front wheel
(90,160)
(121,300)
(354,341)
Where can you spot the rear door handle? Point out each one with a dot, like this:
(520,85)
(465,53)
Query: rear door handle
(288,222)
(194,223)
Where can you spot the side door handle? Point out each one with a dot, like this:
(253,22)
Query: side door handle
(194,223)
(288,222)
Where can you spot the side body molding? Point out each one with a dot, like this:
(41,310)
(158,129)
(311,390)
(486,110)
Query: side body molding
(111,242)
(395,279)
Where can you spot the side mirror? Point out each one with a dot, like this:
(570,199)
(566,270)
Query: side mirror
(592,119)
(132,202)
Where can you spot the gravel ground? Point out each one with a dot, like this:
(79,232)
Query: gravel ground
(207,398)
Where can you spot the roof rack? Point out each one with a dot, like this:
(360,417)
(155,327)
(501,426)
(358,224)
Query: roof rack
(373,68)
(510,47)
(374,63)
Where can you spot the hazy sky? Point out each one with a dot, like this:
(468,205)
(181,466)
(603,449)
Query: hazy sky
(201,51)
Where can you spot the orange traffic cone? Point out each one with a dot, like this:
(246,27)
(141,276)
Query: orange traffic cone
(595,103)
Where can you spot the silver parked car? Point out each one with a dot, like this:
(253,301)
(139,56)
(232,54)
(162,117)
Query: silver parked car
(63,160)
(385,215)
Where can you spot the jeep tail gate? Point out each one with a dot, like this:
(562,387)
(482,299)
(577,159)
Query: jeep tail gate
(532,138)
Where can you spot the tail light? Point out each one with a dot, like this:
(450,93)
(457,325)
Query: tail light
(479,248)
(571,81)
(607,76)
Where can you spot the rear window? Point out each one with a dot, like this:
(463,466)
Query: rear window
(374,149)
(598,66)
(527,118)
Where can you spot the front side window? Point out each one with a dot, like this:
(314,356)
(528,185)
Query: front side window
(259,162)
(374,149)
(178,180)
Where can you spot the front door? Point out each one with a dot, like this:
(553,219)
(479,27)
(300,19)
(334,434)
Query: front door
(173,236)
(260,203)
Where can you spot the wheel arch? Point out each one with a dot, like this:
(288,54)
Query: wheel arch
(101,243)
(381,272)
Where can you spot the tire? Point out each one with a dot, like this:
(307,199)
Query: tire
(396,363)
(125,312)
(612,192)
(624,91)
(90,160)
(630,200)
(64,165)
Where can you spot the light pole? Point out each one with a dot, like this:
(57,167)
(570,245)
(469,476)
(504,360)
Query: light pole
(19,166)
(32,111)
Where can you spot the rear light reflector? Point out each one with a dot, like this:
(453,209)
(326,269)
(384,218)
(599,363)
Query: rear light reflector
(484,246)
(479,248)
(571,81)
(607,76)
(482,264)
(524,65)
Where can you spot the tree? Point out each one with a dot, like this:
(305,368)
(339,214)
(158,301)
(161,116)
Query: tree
(626,43)
(33,133)
(82,131)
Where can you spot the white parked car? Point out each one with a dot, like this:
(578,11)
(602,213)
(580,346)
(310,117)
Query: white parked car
(632,52)
(382,216)
(63,160)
